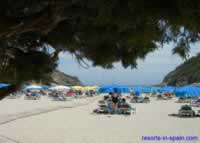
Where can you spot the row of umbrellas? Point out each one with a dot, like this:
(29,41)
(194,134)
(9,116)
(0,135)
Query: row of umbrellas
(136,89)
(61,87)
(152,89)
(187,91)
(114,88)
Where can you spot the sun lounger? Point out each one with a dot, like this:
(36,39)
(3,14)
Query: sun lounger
(162,98)
(101,110)
(12,97)
(58,98)
(32,97)
(102,102)
(198,112)
(140,100)
(196,103)
(186,113)
(184,100)
(133,101)
(146,100)
(124,110)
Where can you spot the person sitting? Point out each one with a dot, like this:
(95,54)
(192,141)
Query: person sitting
(105,98)
(123,106)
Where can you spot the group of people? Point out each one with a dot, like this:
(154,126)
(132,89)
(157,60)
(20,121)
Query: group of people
(117,104)
(90,93)
(114,103)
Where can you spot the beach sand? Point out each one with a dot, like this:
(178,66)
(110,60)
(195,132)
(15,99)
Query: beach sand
(77,124)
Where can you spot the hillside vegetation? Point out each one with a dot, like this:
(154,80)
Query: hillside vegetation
(186,73)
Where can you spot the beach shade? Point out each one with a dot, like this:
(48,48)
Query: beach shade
(137,90)
(77,88)
(88,88)
(26,85)
(146,89)
(106,89)
(60,88)
(137,93)
(170,89)
(96,87)
(45,87)
(140,90)
(33,87)
(121,89)
(188,91)
(71,92)
(114,88)
(4,85)
(154,89)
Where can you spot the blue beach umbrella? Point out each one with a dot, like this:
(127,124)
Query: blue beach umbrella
(114,88)
(139,90)
(4,85)
(155,89)
(45,87)
(167,89)
(188,91)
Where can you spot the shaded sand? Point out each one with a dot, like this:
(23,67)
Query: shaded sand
(79,125)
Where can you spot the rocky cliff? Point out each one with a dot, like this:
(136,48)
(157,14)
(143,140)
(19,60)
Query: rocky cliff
(64,79)
(186,73)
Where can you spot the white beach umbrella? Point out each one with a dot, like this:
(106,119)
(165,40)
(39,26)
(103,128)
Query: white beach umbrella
(33,87)
(60,87)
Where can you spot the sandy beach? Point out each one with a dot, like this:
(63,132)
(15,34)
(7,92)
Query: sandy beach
(48,121)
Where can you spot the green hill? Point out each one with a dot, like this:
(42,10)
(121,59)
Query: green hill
(187,73)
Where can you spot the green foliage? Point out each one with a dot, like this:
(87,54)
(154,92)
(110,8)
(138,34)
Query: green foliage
(187,73)
(17,67)
(186,107)
(102,31)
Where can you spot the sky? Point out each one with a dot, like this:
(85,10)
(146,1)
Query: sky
(150,71)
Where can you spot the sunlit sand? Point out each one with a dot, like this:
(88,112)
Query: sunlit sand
(77,124)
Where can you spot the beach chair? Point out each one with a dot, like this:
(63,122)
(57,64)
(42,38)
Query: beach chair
(184,100)
(196,103)
(57,97)
(32,96)
(140,100)
(102,109)
(102,102)
(198,113)
(134,99)
(186,111)
(12,96)
(124,110)
(162,97)
(146,100)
